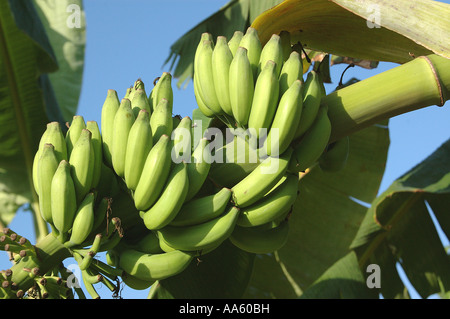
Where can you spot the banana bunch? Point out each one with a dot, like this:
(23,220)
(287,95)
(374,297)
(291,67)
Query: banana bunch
(251,86)
(69,178)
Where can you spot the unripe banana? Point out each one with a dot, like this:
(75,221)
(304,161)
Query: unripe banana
(335,156)
(182,141)
(154,174)
(139,102)
(63,197)
(235,40)
(200,103)
(171,199)
(241,86)
(73,133)
(273,206)
(202,209)
(161,120)
(150,267)
(265,100)
(285,40)
(221,60)
(136,283)
(252,43)
(261,180)
(46,168)
(205,78)
(260,240)
(96,140)
(312,95)
(149,244)
(52,135)
(109,109)
(198,168)
(82,164)
(162,90)
(108,185)
(128,93)
(139,144)
(137,85)
(272,50)
(291,71)
(313,143)
(123,121)
(83,221)
(285,121)
(200,236)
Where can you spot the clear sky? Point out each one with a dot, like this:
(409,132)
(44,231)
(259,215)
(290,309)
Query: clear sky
(127,40)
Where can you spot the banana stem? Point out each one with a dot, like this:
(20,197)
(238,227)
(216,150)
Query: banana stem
(422,82)
(49,252)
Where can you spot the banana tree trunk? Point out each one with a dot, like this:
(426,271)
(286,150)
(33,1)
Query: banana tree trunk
(422,82)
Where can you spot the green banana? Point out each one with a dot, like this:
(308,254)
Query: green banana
(265,100)
(83,221)
(274,205)
(204,108)
(241,86)
(136,283)
(55,136)
(261,180)
(109,109)
(285,121)
(285,40)
(291,71)
(202,209)
(150,267)
(139,144)
(96,139)
(235,40)
(82,164)
(63,198)
(73,133)
(312,95)
(252,43)
(154,174)
(47,166)
(171,199)
(335,156)
(149,244)
(162,90)
(128,93)
(260,240)
(199,236)
(272,50)
(204,69)
(220,63)
(198,168)
(139,101)
(161,120)
(123,121)
(313,143)
(182,141)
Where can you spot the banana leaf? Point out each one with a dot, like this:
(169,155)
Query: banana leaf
(65,27)
(358,28)
(407,226)
(26,56)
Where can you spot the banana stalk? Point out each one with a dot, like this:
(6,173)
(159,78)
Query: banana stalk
(420,83)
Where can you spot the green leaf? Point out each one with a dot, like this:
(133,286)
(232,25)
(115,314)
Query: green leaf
(64,23)
(343,280)
(399,227)
(357,28)
(235,15)
(25,56)
(325,218)
(221,274)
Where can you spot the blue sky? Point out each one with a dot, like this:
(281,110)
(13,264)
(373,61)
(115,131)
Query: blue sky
(127,40)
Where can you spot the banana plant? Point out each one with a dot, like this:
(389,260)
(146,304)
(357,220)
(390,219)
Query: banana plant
(328,255)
